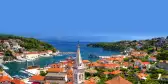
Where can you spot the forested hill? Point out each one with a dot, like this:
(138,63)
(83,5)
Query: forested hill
(149,45)
(19,42)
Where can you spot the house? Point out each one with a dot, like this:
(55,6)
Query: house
(16,47)
(33,69)
(138,54)
(37,79)
(5,80)
(1,54)
(111,66)
(118,80)
(31,55)
(152,59)
(116,72)
(49,52)
(113,72)
(6,44)
(145,65)
(89,82)
(125,65)
(55,65)
(70,75)
(19,55)
(56,78)
(17,81)
(116,59)
(142,76)
(55,70)
(95,65)
(137,62)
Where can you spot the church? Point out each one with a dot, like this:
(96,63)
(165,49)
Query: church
(78,69)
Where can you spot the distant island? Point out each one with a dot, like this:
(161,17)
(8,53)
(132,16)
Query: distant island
(18,47)
(155,45)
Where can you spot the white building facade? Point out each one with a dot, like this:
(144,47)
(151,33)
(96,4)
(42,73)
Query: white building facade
(79,69)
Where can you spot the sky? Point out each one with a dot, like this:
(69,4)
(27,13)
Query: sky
(85,20)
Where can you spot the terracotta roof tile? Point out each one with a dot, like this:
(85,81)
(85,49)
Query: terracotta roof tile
(37,78)
(118,80)
(86,61)
(4,78)
(116,72)
(70,83)
(17,81)
(95,64)
(141,75)
(106,73)
(89,82)
(136,67)
(55,70)
(145,63)
(111,65)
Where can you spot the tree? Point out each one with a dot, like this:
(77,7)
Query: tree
(87,75)
(163,55)
(42,73)
(150,81)
(126,59)
(8,53)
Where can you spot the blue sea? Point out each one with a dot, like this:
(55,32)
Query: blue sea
(14,67)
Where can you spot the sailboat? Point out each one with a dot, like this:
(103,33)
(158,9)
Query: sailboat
(32,66)
(31,70)
(4,67)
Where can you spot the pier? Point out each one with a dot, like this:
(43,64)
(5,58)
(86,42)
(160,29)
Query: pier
(102,57)
(66,53)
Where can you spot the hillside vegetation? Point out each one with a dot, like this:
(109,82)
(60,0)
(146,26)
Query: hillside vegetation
(159,45)
(28,44)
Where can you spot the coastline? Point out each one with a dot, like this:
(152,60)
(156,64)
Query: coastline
(15,67)
(32,59)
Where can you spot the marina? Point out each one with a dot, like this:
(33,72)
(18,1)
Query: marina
(15,67)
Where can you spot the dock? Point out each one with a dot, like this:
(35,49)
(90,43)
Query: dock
(102,57)
(66,53)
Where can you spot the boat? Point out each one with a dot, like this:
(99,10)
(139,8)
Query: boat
(93,56)
(46,55)
(33,69)
(4,67)
(16,76)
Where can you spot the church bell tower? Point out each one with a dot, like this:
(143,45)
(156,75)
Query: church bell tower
(78,69)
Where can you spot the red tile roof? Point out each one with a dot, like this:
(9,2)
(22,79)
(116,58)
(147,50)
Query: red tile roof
(55,70)
(17,81)
(145,63)
(141,75)
(113,72)
(111,65)
(116,72)
(106,73)
(89,82)
(95,64)
(36,78)
(5,78)
(136,67)
(118,80)
(86,61)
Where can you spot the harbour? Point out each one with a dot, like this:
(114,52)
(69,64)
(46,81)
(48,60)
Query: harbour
(15,67)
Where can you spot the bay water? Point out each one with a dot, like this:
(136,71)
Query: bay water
(15,67)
